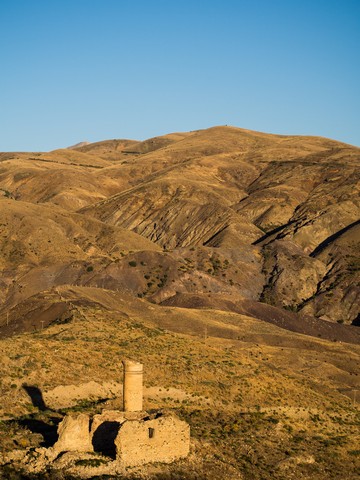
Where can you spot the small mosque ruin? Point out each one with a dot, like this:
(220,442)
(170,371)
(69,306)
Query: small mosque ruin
(130,437)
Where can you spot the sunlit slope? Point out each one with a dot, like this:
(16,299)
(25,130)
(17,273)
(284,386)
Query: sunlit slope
(235,211)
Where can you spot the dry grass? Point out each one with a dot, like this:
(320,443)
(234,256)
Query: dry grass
(255,408)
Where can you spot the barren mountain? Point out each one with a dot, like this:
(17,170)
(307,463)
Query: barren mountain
(186,246)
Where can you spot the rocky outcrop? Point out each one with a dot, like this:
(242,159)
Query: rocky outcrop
(292,276)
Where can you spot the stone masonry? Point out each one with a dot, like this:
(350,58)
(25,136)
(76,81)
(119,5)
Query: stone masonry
(131,437)
(161,439)
(74,434)
(132,386)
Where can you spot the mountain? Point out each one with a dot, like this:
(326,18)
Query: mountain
(208,251)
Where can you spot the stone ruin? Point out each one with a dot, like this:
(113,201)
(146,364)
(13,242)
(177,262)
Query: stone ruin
(131,437)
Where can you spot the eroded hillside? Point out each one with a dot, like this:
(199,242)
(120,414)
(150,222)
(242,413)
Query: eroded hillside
(256,216)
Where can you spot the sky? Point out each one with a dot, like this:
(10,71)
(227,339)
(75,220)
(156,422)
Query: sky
(91,70)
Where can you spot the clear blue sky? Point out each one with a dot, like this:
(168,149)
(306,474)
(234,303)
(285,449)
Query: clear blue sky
(75,70)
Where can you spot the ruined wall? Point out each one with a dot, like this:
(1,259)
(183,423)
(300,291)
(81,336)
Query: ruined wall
(131,438)
(104,429)
(162,439)
(74,434)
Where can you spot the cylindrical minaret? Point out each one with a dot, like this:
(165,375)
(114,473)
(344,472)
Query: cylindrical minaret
(132,386)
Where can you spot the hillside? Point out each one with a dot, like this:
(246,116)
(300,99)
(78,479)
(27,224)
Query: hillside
(224,259)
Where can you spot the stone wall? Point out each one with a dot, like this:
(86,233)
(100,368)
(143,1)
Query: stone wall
(74,434)
(162,439)
(132,438)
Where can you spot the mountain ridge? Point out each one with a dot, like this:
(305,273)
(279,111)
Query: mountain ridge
(222,188)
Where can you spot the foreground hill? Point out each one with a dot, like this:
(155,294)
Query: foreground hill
(224,259)
(262,402)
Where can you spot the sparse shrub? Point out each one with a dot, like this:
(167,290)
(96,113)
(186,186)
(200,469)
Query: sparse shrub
(291,308)
(91,462)
(315,417)
(354,452)
(132,263)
